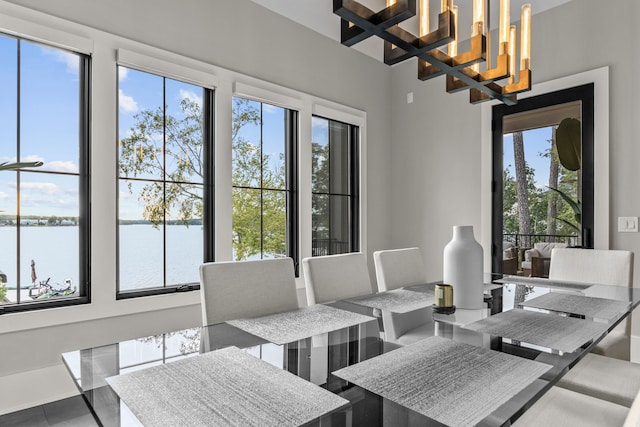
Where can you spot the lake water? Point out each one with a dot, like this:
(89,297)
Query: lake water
(55,252)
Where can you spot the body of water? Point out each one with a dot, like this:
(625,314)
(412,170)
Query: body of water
(55,253)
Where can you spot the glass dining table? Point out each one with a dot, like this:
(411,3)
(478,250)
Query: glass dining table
(472,367)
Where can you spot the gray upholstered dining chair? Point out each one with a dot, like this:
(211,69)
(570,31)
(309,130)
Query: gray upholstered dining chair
(397,268)
(606,373)
(240,289)
(598,266)
(561,407)
(335,277)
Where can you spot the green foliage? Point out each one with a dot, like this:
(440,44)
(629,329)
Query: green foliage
(575,206)
(568,223)
(3,291)
(259,217)
(320,179)
(141,156)
(569,143)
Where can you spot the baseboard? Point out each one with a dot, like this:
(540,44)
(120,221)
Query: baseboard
(33,388)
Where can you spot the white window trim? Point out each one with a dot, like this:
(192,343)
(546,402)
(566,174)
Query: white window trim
(193,73)
(108,50)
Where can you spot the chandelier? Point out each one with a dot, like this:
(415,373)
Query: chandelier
(500,80)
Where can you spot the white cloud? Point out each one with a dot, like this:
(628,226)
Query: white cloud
(32,158)
(268,108)
(71,60)
(191,96)
(127,103)
(62,166)
(123,72)
(39,187)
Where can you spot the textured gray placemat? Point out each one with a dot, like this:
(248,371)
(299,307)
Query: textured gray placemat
(544,329)
(599,308)
(453,383)
(224,387)
(546,283)
(396,301)
(283,328)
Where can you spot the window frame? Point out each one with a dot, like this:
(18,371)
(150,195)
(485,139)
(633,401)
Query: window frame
(84,182)
(292,142)
(208,186)
(354,181)
(584,93)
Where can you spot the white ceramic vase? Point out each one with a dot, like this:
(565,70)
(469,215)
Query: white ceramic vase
(462,268)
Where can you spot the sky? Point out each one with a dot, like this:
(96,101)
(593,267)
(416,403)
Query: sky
(536,143)
(48,127)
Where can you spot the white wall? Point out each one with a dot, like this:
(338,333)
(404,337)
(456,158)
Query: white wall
(242,43)
(436,139)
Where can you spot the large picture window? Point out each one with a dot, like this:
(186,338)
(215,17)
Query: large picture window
(335,187)
(165,185)
(264,175)
(44,210)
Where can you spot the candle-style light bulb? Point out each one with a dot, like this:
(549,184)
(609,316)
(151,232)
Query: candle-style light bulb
(478,17)
(512,53)
(453,45)
(446,5)
(505,22)
(424,17)
(525,37)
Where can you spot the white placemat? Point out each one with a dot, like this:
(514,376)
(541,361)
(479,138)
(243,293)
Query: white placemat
(598,308)
(546,283)
(453,383)
(224,387)
(543,329)
(396,301)
(290,326)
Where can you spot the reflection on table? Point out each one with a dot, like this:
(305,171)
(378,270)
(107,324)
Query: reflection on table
(316,357)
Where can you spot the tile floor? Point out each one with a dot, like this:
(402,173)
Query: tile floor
(71,412)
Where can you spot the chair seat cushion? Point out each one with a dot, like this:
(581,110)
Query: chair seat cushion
(605,378)
(560,407)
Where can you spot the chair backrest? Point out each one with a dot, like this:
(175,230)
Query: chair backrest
(599,266)
(240,289)
(335,277)
(396,268)
(633,417)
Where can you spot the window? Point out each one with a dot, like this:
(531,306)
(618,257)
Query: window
(335,187)
(542,197)
(264,175)
(165,184)
(44,211)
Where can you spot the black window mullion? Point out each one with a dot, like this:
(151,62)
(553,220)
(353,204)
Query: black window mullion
(291,156)
(164,182)
(208,199)
(355,188)
(18,182)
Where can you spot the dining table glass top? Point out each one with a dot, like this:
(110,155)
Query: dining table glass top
(472,367)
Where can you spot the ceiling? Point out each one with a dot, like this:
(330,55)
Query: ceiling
(318,16)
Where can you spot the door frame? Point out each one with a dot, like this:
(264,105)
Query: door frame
(600,79)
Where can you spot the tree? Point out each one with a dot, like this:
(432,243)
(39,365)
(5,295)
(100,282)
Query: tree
(141,156)
(256,213)
(523,196)
(554,173)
